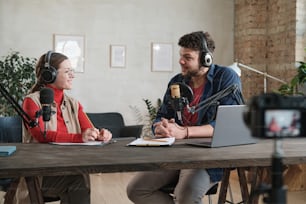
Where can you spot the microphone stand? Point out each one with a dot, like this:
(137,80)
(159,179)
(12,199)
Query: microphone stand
(213,99)
(178,103)
(25,117)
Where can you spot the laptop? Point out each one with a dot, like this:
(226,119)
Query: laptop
(229,130)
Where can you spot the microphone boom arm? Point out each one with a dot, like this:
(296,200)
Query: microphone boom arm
(26,118)
(213,99)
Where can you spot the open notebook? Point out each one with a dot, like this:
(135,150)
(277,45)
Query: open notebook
(230,129)
(142,142)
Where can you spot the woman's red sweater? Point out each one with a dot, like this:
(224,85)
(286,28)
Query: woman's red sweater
(61,135)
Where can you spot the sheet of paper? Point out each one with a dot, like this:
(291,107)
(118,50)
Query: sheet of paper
(153,142)
(84,143)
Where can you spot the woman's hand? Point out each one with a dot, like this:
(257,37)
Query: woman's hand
(90,134)
(105,135)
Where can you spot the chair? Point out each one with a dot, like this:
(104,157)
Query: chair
(114,122)
(10,129)
(11,132)
(225,185)
(212,191)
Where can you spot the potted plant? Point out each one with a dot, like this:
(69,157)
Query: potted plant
(295,85)
(149,118)
(17,76)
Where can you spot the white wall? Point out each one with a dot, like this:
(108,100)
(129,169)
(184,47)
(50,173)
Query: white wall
(300,54)
(28,27)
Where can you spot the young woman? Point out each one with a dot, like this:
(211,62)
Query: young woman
(68,123)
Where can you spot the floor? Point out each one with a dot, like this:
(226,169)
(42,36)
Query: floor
(296,197)
(110,189)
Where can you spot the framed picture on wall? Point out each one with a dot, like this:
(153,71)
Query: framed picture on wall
(73,47)
(117,56)
(162,57)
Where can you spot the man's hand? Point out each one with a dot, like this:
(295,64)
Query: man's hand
(168,128)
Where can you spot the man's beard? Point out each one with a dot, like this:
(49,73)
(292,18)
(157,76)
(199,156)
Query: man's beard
(194,73)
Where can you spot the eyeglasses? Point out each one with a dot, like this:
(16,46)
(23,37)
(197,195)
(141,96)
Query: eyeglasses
(68,71)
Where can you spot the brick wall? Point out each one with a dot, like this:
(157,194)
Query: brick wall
(301,30)
(265,39)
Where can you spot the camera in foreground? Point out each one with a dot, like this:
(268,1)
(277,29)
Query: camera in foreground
(273,115)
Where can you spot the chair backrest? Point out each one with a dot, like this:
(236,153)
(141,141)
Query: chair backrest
(112,121)
(10,129)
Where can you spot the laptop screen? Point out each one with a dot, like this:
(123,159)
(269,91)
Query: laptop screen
(230,128)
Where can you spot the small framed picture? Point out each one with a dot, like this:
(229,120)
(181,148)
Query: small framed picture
(117,56)
(162,57)
(73,47)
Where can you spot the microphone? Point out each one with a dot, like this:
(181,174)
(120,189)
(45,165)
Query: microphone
(46,99)
(176,100)
(181,94)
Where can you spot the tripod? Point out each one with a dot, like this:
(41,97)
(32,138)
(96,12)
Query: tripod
(276,193)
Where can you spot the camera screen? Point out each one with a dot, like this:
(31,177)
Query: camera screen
(282,123)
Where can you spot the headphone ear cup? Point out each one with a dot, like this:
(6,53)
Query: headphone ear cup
(48,75)
(206,59)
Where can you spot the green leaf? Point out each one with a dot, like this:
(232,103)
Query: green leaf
(292,87)
(17,76)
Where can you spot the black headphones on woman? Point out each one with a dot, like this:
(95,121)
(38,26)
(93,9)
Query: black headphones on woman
(206,58)
(48,73)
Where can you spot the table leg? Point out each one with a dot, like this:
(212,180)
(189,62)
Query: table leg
(256,181)
(243,185)
(34,190)
(11,192)
(224,186)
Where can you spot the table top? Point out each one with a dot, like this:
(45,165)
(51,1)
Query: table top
(46,159)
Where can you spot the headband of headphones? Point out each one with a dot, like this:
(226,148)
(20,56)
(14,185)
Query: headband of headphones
(48,74)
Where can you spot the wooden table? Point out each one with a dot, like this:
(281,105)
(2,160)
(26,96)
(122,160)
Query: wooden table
(31,160)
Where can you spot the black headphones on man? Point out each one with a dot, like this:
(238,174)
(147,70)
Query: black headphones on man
(206,58)
(48,73)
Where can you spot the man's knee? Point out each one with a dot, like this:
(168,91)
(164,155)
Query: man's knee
(131,192)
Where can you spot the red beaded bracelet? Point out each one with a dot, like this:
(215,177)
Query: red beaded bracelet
(187,133)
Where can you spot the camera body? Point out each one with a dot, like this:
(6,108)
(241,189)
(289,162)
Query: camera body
(273,115)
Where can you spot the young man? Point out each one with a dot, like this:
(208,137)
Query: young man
(205,79)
